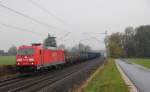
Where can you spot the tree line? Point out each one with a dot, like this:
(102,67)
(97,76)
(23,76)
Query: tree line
(134,42)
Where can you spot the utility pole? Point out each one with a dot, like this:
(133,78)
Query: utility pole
(106,44)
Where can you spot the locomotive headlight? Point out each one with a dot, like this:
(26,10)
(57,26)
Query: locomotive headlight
(18,60)
(31,59)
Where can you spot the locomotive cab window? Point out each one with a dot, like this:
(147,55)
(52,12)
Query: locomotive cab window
(28,51)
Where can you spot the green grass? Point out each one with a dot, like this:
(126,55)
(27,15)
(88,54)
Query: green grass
(107,80)
(7,60)
(140,61)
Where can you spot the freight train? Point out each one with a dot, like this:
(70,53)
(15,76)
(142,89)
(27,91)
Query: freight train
(36,57)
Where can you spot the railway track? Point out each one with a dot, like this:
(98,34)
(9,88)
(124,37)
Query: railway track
(57,86)
(10,82)
(22,81)
(46,81)
(50,80)
(21,78)
(10,78)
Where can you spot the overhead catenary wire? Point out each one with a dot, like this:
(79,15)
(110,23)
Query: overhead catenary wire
(95,38)
(90,33)
(46,11)
(30,18)
(93,33)
(23,29)
(87,39)
(91,37)
(64,36)
(30,31)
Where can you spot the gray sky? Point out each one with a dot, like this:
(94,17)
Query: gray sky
(78,16)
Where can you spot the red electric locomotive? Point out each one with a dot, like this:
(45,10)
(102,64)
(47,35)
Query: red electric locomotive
(36,57)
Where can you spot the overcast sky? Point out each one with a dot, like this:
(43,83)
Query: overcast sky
(74,16)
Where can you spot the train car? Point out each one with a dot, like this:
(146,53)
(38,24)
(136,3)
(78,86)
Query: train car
(40,56)
(89,55)
(83,56)
(92,55)
(71,57)
(35,57)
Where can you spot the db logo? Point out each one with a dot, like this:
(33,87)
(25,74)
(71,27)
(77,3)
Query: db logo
(54,54)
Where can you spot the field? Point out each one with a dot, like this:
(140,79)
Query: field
(7,60)
(108,79)
(143,62)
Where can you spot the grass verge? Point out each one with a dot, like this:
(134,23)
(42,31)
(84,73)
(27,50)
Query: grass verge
(7,60)
(140,61)
(7,66)
(107,79)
